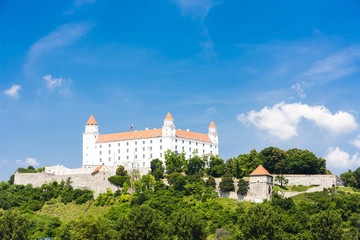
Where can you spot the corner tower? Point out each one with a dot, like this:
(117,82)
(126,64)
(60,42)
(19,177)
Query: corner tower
(213,135)
(260,184)
(90,136)
(168,129)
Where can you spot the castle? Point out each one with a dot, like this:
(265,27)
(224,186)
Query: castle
(136,149)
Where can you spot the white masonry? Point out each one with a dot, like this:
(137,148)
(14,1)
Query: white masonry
(136,149)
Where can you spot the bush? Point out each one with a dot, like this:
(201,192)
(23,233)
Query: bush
(227,184)
(119,180)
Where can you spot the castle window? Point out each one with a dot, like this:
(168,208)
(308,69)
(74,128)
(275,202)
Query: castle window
(190,156)
(135,149)
(135,156)
(160,140)
(127,157)
(109,151)
(100,146)
(132,137)
(118,158)
(109,145)
(183,148)
(203,151)
(210,152)
(127,144)
(150,148)
(150,141)
(118,144)
(143,142)
(143,164)
(175,147)
(116,139)
(160,147)
(100,160)
(160,154)
(196,144)
(127,150)
(143,149)
(124,138)
(200,139)
(150,155)
(211,146)
(189,149)
(175,140)
(109,159)
(203,145)
(151,135)
(135,142)
(158,134)
(144,156)
(190,143)
(100,152)
(182,141)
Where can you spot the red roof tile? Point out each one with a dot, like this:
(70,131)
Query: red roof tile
(91,121)
(260,170)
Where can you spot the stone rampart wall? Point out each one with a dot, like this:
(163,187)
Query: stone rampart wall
(307,180)
(97,182)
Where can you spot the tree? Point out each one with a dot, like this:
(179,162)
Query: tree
(261,222)
(177,180)
(229,166)
(349,179)
(120,171)
(282,180)
(187,225)
(89,227)
(174,161)
(243,186)
(210,182)
(14,226)
(237,171)
(119,180)
(194,165)
(141,223)
(157,169)
(148,180)
(326,225)
(227,184)
(217,166)
(11,179)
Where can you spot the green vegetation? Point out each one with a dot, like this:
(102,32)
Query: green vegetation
(297,188)
(188,208)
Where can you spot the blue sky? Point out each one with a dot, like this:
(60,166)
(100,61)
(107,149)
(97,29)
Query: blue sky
(278,73)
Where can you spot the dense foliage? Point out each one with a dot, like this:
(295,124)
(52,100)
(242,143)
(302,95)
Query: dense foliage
(187,208)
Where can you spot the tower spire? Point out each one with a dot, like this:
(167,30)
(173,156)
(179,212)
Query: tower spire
(91,121)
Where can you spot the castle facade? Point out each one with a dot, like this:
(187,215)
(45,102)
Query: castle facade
(136,149)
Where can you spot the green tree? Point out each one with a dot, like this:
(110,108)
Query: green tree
(157,169)
(187,225)
(177,180)
(237,171)
(194,165)
(89,227)
(227,184)
(119,180)
(349,179)
(141,223)
(282,180)
(210,182)
(243,186)
(326,225)
(120,171)
(217,166)
(11,179)
(174,161)
(14,226)
(148,180)
(261,222)
(229,166)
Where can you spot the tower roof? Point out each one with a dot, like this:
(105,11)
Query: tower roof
(169,117)
(91,121)
(260,170)
(212,125)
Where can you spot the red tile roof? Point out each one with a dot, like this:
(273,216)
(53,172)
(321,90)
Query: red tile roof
(91,121)
(168,116)
(97,169)
(152,133)
(260,170)
(212,125)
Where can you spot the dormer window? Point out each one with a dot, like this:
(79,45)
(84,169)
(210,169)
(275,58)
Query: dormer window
(132,137)
(180,135)
(124,138)
(194,137)
(187,136)
(117,139)
(140,136)
(200,139)
(158,134)
(106,140)
(151,135)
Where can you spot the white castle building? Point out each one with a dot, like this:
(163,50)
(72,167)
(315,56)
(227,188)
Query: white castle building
(136,149)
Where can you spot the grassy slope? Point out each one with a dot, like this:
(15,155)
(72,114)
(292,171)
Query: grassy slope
(299,188)
(72,211)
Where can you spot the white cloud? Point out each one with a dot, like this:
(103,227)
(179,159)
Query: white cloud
(195,8)
(335,66)
(52,83)
(282,119)
(299,88)
(27,162)
(13,91)
(62,36)
(337,158)
(356,141)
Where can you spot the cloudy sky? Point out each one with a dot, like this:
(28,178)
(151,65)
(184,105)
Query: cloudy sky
(268,73)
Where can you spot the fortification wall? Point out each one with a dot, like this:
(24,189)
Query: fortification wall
(325,181)
(97,182)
